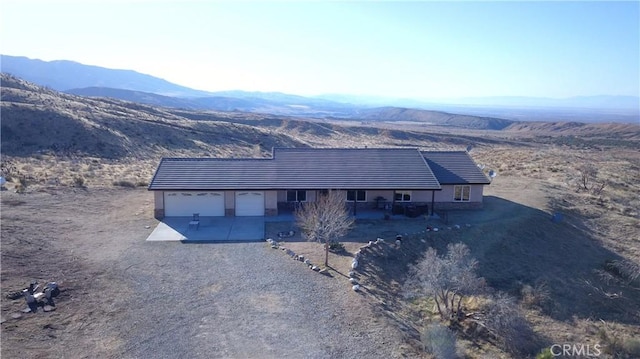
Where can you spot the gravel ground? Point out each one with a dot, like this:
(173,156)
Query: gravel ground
(241,300)
(123,297)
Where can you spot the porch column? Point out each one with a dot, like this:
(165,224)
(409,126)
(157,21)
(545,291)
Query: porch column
(433,200)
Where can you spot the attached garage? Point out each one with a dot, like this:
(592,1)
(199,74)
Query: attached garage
(249,203)
(186,203)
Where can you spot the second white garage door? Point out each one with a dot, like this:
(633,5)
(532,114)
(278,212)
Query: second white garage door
(250,203)
(185,204)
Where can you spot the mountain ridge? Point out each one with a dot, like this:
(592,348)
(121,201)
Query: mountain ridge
(65,75)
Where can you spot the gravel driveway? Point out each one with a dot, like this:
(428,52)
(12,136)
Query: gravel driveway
(240,300)
(124,297)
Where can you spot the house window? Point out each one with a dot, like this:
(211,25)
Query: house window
(461,193)
(356,195)
(402,196)
(296,196)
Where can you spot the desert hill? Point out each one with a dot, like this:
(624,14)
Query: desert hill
(427,117)
(39,120)
(626,131)
(277,104)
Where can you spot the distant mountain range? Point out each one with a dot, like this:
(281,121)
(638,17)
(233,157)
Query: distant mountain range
(94,81)
(37,120)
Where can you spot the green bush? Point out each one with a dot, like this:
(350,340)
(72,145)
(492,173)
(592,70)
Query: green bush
(545,354)
(336,246)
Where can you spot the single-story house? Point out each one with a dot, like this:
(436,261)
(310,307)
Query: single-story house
(383,178)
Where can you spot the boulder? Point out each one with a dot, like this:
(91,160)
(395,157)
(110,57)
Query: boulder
(356,287)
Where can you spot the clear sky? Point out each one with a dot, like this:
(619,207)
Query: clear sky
(395,49)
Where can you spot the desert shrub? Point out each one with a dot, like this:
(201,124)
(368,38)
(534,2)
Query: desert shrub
(505,321)
(78,181)
(545,354)
(336,246)
(439,341)
(22,185)
(627,271)
(537,295)
(631,346)
(618,347)
(124,183)
(142,183)
(448,279)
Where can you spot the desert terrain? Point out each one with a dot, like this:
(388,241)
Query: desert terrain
(76,211)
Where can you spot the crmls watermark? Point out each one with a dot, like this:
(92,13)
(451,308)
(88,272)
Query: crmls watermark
(576,350)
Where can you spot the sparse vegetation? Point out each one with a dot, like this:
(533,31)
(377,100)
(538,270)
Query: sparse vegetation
(124,183)
(439,341)
(324,220)
(78,181)
(504,320)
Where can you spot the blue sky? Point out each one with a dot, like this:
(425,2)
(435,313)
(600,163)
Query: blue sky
(421,50)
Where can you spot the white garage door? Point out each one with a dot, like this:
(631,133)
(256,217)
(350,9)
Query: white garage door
(250,203)
(186,203)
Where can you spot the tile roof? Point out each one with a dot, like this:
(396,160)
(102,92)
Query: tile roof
(454,167)
(301,168)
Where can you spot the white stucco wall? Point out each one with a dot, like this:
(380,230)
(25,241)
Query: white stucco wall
(158,199)
(229,200)
(270,199)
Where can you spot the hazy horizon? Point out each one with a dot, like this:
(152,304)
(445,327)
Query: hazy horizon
(417,50)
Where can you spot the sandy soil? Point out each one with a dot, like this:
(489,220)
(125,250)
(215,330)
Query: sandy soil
(91,241)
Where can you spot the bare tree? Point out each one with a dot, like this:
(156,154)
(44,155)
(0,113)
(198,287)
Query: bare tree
(325,220)
(588,179)
(447,279)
